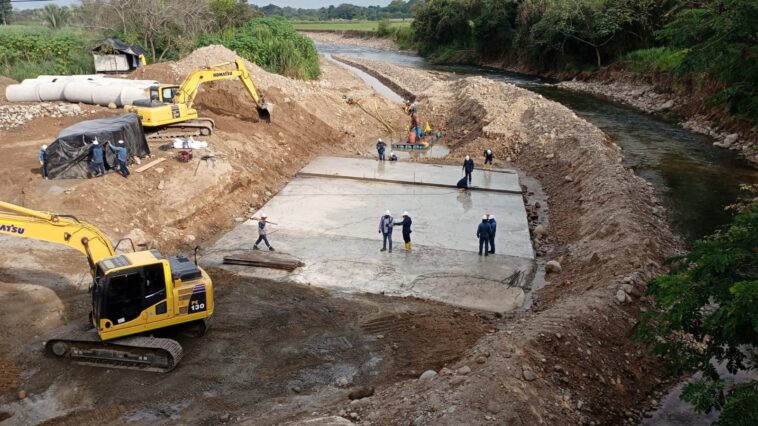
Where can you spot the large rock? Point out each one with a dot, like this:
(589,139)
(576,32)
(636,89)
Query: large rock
(730,140)
(553,267)
(428,375)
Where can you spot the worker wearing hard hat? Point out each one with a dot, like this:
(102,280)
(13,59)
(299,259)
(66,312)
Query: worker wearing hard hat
(262,233)
(488,157)
(406,224)
(393,156)
(386,223)
(493,229)
(122,155)
(43,160)
(380,147)
(468,168)
(483,232)
(97,166)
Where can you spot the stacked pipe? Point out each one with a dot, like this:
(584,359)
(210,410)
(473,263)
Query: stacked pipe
(89,89)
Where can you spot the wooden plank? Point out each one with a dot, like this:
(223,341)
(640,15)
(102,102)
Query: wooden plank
(150,164)
(264,260)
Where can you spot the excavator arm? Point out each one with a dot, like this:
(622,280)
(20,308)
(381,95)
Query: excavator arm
(189,88)
(62,229)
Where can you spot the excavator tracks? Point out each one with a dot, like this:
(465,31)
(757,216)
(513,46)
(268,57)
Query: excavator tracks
(134,353)
(184,129)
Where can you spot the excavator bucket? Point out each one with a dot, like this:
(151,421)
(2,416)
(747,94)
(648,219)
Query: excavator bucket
(264,111)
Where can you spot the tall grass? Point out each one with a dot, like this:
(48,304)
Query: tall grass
(27,51)
(664,59)
(273,44)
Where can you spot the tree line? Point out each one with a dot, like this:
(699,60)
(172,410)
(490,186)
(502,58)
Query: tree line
(715,38)
(397,9)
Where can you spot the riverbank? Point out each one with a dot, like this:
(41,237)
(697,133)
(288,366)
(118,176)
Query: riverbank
(570,357)
(356,38)
(653,94)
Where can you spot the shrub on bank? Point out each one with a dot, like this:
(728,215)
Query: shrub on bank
(28,51)
(656,59)
(273,44)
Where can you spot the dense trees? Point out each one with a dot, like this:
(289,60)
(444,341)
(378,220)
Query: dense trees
(705,316)
(395,10)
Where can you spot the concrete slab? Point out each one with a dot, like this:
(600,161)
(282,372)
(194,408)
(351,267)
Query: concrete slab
(331,225)
(411,173)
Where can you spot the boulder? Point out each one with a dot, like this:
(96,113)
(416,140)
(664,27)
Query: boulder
(553,267)
(428,375)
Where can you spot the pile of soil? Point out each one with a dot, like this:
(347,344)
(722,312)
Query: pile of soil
(569,359)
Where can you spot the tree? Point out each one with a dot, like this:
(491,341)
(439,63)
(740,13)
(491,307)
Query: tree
(721,38)
(231,13)
(5,11)
(705,315)
(55,16)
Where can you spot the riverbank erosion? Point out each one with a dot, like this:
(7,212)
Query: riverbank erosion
(569,358)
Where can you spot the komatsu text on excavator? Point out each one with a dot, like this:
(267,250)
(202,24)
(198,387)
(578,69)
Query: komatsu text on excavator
(170,111)
(132,293)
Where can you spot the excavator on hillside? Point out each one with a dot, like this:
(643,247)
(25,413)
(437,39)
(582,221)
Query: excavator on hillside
(132,293)
(170,111)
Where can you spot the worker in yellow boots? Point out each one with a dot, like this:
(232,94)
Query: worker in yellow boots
(406,224)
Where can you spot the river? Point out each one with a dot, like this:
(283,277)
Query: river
(695,179)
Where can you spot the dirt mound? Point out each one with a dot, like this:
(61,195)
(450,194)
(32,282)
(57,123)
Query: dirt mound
(9,376)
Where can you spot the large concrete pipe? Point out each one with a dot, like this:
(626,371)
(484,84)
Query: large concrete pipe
(50,92)
(104,95)
(21,93)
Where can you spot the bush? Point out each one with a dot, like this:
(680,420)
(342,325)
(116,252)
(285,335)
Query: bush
(655,59)
(28,51)
(273,44)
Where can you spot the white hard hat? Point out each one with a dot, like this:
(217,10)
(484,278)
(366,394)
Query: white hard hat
(392,152)
(484,217)
(120,141)
(467,157)
(263,215)
(492,216)
(44,146)
(489,151)
(387,213)
(95,142)
(405,213)
(380,140)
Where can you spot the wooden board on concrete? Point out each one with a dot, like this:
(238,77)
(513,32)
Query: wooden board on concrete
(150,164)
(264,259)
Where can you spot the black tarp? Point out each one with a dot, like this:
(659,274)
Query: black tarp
(68,157)
(109,45)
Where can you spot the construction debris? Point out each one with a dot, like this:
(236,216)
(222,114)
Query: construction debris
(150,164)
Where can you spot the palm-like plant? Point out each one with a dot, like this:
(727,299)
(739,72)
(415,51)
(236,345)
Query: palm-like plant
(55,16)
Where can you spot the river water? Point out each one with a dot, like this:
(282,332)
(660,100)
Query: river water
(695,179)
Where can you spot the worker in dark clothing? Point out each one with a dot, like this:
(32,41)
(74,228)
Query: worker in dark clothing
(380,147)
(406,224)
(262,233)
(393,156)
(462,184)
(121,155)
(468,167)
(483,233)
(488,157)
(493,230)
(97,165)
(386,223)
(42,157)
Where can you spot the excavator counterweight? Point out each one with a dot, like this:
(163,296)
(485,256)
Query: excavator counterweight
(132,294)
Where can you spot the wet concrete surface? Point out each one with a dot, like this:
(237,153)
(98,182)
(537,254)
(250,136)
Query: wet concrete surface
(413,173)
(331,224)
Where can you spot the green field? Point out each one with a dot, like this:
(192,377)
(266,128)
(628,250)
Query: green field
(369,26)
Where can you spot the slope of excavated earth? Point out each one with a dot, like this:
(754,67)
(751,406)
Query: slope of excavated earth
(569,359)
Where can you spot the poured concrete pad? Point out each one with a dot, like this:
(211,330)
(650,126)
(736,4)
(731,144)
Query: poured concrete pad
(331,225)
(413,173)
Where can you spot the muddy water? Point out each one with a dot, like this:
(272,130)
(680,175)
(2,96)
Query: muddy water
(696,179)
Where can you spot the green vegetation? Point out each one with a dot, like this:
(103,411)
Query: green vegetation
(369,26)
(28,51)
(397,9)
(712,40)
(705,315)
(273,44)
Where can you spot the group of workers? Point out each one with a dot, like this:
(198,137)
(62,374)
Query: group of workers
(96,156)
(387,224)
(381,148)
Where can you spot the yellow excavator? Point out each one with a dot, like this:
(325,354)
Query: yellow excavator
(170,111)
(132,293)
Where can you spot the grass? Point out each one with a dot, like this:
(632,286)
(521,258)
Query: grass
(27,51)
(656,59)
(368,26)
